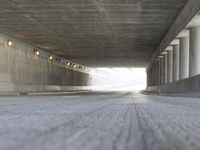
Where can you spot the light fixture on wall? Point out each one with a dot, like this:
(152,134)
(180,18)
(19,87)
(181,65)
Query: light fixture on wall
(74,66)
(50,57)
(36,52)
(9,43)
(68,63)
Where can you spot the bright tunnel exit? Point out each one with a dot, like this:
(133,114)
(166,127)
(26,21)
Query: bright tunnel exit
(118,79)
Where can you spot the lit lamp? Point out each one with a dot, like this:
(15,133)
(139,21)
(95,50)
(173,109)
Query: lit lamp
(37,52)
(50,57)
(68,63)
(74,66)
(9,43)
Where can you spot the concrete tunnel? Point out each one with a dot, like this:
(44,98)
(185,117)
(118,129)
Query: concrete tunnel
(54,96)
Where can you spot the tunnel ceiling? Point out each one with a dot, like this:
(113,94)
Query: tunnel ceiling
(91,32)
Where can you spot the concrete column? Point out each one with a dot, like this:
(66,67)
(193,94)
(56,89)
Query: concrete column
(161,71)
(165,69)
(151,81)
(158,71)
(194,53)
(176,62)
(149,77)
(148,74)
(170,66)
(154,74)
(184,58)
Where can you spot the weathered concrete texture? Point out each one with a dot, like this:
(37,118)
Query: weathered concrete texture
(165,68)
(161,71)
(158,72)
(186,15)
(20,67)
(194,54)
(99,122)
(184,58)
(92,32)
(176,52)
(169,66)
(185,85)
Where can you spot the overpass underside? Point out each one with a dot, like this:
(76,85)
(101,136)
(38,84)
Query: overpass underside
(174,67)
(48,52)
(52,45)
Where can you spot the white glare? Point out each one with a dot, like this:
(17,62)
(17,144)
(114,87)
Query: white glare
(120,79)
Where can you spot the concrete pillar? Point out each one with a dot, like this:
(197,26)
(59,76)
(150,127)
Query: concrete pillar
(176,62)
(170,66)
(161,71)
(158,71)
(147,78)
(184,58)
(154,74)
(165,69)
(194,52)
(151,81)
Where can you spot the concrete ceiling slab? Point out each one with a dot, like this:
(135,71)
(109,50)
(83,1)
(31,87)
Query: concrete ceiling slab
(91,32)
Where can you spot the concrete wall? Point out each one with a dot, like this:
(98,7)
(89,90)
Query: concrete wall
(187,85)
(19,67)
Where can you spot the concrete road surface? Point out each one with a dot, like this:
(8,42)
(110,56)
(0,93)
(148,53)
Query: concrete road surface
(99,121)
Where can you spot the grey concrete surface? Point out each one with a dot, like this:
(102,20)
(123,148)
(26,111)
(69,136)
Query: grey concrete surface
(194,52)
(165,67)
(176,52)
(99,121)
(185,16)
(170,66)
(184,58)
(188,85)
(21,70)
(92,32)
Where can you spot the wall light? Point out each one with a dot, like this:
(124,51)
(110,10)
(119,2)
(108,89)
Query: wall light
(36,52)
(9,43)
(50,57)
(74,66)
(68,63)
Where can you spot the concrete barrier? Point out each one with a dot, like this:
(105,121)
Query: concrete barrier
(189,86)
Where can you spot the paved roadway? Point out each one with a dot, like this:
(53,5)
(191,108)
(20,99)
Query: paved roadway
(99,121)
